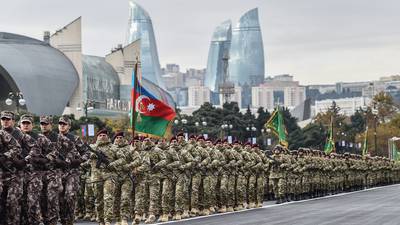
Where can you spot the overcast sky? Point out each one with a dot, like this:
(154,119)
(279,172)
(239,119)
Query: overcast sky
(317,41)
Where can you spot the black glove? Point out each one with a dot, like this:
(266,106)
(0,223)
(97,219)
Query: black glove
(19,163)
(60,163)
(75,163)
(39,161)
(3,159)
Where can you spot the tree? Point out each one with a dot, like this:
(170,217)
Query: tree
(383,102)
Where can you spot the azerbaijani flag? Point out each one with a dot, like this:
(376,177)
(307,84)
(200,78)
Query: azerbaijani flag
(152,116)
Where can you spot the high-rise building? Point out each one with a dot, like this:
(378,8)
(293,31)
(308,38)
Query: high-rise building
(262,97)
(198,95)
(278,90)
(141,27)
(246,60)
(218,55)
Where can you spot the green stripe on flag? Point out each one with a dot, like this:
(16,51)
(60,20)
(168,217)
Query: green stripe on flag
(151,125)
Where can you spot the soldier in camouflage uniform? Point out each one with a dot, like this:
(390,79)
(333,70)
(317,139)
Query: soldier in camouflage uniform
(10,177)
(215,173)
(170,178)
(35,170)
(221,189)
(157,162)
(139,163)
(204,188)
(182,200)
(240,179)
(247,188)
(277,174)
(261,169)
(52,184)
(123,179)
(70,175)
(191,147)
(103,177)
(29,149)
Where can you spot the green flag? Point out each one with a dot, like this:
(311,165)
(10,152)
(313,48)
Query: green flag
(365,146)
(277,126)
(330,143)
(396,155)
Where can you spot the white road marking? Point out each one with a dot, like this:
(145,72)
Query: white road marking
(277,205)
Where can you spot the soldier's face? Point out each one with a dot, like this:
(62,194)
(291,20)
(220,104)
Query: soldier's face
(26,126)
(45,127)
(7,123)
(102,137)
(119,140)
(63,127)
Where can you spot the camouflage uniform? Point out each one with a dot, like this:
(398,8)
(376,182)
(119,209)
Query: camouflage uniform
(277,174)
(140,167)
(215,173)
(52,183)
(102,178)
(157,161)
(70,176)
(182,200)
(170,178)
(10,179)
(34,176)
(231,171)
(29,149)
(205,190)
(240,179)
(123,181)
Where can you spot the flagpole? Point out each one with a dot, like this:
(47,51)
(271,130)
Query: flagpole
(135,85)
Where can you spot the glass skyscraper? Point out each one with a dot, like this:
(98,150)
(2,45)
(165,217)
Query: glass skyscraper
(219,48)
(141,27)
(246,63)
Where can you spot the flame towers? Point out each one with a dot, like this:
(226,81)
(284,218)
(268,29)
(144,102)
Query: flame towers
(219,50)
(246,63)
(141,27)
(241,50)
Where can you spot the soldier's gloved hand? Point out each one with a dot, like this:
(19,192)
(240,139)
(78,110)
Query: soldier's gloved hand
(3,159)
(60,163)
(19,163)
(39,160)
(75,163)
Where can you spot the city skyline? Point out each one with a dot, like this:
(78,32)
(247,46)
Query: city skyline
(326,43)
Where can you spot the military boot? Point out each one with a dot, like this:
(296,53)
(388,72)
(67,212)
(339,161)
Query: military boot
(194,212)
(163,218)
(229,209)
(107,223)
(222,209)
(245,205)
(212,210)
(259,205)
(177,216)
(238,208)
(205,212)
(137,219)
(124,222)
(185,214)
(151,219)
(279,200)
(252,205)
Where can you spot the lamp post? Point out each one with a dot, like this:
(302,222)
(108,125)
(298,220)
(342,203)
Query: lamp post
(253,138)
(228,128)
(87,107)
(18,98)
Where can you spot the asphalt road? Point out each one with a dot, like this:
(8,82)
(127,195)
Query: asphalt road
(378,206)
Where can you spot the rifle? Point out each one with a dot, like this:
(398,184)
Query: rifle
(101,157)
